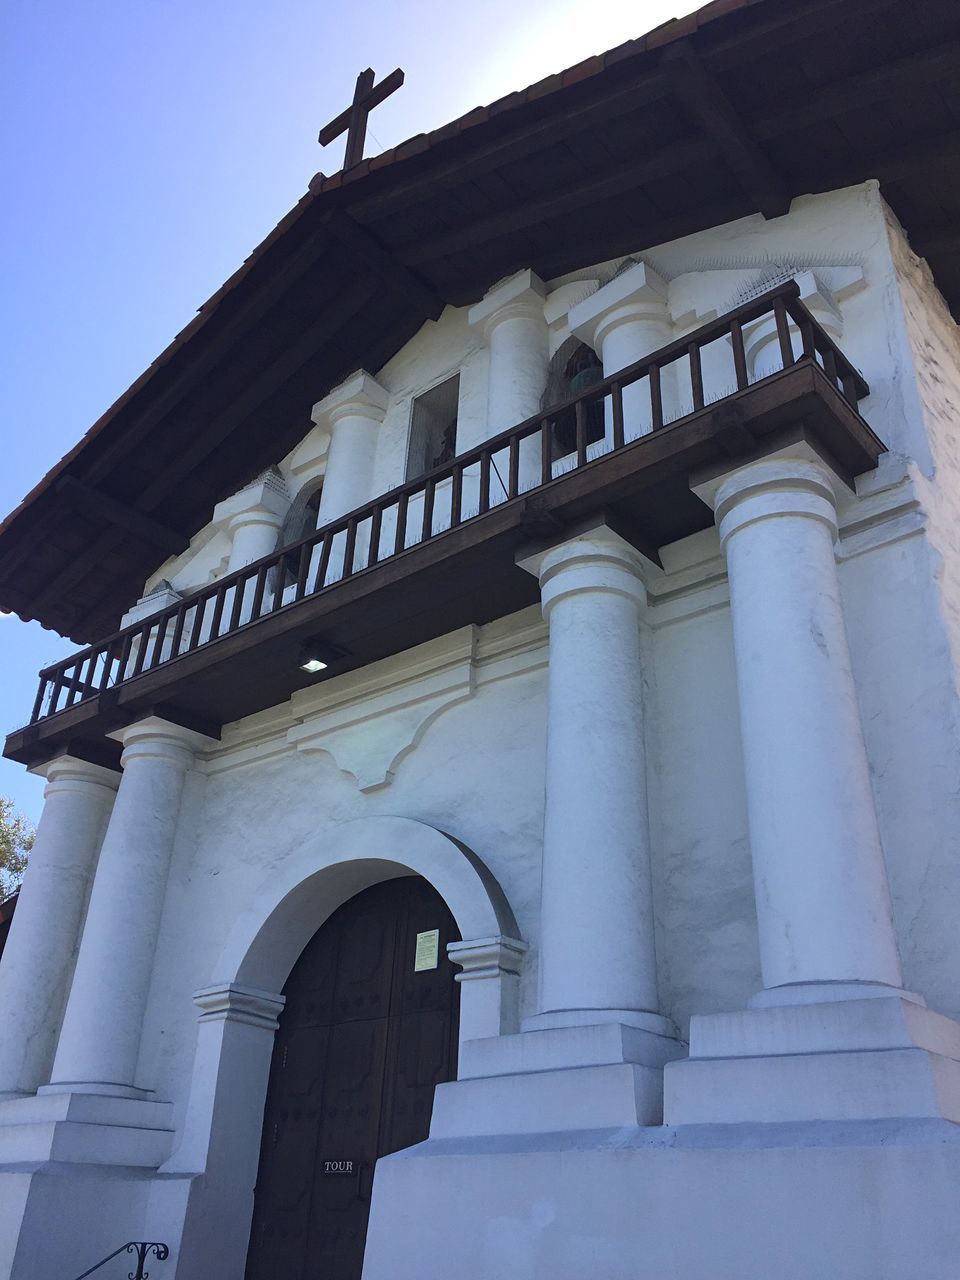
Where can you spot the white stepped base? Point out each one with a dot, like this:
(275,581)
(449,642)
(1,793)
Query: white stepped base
(549,1101)
(889,1084)
(852,1060)
(581,1077)
(562,1047)
(84,1129)
(747,1202)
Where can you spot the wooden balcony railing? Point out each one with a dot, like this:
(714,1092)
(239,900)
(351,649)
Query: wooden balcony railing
(657,391)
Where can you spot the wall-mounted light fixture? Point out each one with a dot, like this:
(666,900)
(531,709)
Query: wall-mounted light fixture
(317,654)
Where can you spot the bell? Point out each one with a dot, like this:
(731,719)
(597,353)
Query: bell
(586,378)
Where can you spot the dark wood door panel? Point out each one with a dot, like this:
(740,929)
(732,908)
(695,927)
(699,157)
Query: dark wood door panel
(364,1039)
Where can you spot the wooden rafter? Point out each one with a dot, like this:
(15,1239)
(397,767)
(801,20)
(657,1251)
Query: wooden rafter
(389,270)
(713,112)
(937,238)
(896,163)
(648,168)
(213,434)
(851,93)
(101,507)
(525,139)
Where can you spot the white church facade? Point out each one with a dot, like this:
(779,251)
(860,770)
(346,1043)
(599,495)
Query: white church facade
(514,832)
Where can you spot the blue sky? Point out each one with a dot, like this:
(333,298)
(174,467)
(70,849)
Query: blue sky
(148,145)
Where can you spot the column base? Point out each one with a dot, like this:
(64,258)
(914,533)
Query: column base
(643,1019)
(868,1059)
(85,1129)
(603,1076)
(97,1088)
(827,992)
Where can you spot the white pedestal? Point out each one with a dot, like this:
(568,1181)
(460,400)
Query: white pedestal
(843,1060)
(600,1076)
(75,1178)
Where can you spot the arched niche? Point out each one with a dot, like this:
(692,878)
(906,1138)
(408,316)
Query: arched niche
(573,367)
(300,522)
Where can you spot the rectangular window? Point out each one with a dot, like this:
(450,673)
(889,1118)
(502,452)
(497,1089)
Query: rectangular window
(433,428)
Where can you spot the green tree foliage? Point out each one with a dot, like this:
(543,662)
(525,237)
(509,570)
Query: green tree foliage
(16,840)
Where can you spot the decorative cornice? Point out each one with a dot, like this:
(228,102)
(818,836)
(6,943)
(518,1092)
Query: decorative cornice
(521,294)
(361,395)
(487,957)
(228,1002)
(266,497)
(566,297)
(638,291)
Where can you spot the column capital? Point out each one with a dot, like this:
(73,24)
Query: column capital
(594,559)
(487,957)
(792,481)
(264,500)
(638,293)
(66,770)
(818,300)
(359,396)
(519,296)
(156,738)
(230,1002)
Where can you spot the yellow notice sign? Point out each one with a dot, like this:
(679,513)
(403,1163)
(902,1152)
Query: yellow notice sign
(428,950)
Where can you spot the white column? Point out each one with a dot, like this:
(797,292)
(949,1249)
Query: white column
(253,518)
(623,322)
(597,946)
(823,903)
(761,341)
(353,413)
(515,330)
(35,970)
(100,1040)
(254,535)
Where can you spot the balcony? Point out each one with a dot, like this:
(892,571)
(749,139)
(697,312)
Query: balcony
(438,553)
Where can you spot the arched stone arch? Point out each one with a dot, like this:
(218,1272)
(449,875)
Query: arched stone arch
(240,1008)
(293,901)
(572,354)
(293,528)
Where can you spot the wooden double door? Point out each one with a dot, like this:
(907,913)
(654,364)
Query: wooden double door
(368,1030)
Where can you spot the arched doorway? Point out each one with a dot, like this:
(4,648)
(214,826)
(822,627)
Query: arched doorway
(369,1029)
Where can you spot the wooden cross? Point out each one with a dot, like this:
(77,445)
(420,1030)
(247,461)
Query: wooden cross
(354,120)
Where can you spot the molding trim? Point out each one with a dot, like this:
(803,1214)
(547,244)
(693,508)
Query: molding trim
(228,1002)
(487,957)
